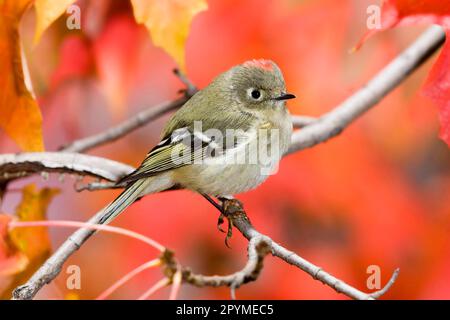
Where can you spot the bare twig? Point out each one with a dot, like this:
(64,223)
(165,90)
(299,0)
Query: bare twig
(302,121)
(176,284)
(332,123)
(14,166)
(191,89)
(156,287)
(258,248)
(128,277)
(318,131)
(94,186)
(379,293)
(133,123)
(240,220)
(52,267)
(123,128)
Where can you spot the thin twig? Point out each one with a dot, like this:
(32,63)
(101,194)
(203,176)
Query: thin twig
(94,186)
(156,287)
(128,277)
(176,284)
(299,122)
(379,293)
(258,248)
(14,166)
(191,89)
(123,128)
(243,224)
(90,226)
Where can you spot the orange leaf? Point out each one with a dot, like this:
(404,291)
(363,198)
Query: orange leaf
(33,240)
(168,22)
(25,248)
(47,11)
(20,116)
(11,260)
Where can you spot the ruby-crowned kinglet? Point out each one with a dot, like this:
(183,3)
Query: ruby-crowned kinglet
(227,139)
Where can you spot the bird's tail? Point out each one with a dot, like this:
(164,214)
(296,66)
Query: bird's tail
(135,190)
(126,198)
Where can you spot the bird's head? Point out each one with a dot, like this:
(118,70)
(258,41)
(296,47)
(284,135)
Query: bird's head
(257,84)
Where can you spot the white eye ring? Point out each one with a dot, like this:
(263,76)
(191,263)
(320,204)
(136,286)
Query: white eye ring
(255,94)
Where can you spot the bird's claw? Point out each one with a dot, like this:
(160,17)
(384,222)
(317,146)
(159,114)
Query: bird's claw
(229,231)
(220,221)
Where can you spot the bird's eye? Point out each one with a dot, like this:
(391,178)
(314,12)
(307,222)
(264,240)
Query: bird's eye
(255,94)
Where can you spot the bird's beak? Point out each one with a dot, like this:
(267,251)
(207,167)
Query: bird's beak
(284,96)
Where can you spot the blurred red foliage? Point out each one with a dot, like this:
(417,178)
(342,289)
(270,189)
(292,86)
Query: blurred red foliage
(407,12)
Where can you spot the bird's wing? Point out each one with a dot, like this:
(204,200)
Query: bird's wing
(183,144)
(179,149)
(182,148)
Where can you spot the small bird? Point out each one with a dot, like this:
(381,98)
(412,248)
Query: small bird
(227,139)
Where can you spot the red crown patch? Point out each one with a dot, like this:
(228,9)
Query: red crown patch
(259,63)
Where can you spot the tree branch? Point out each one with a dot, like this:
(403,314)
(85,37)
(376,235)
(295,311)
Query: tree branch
(236,213)
(257,249)
(141,119)
(299,122)
(123,128)
(317,131)
(133,123)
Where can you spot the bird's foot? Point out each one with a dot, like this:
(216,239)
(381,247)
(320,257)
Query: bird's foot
(228,209)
